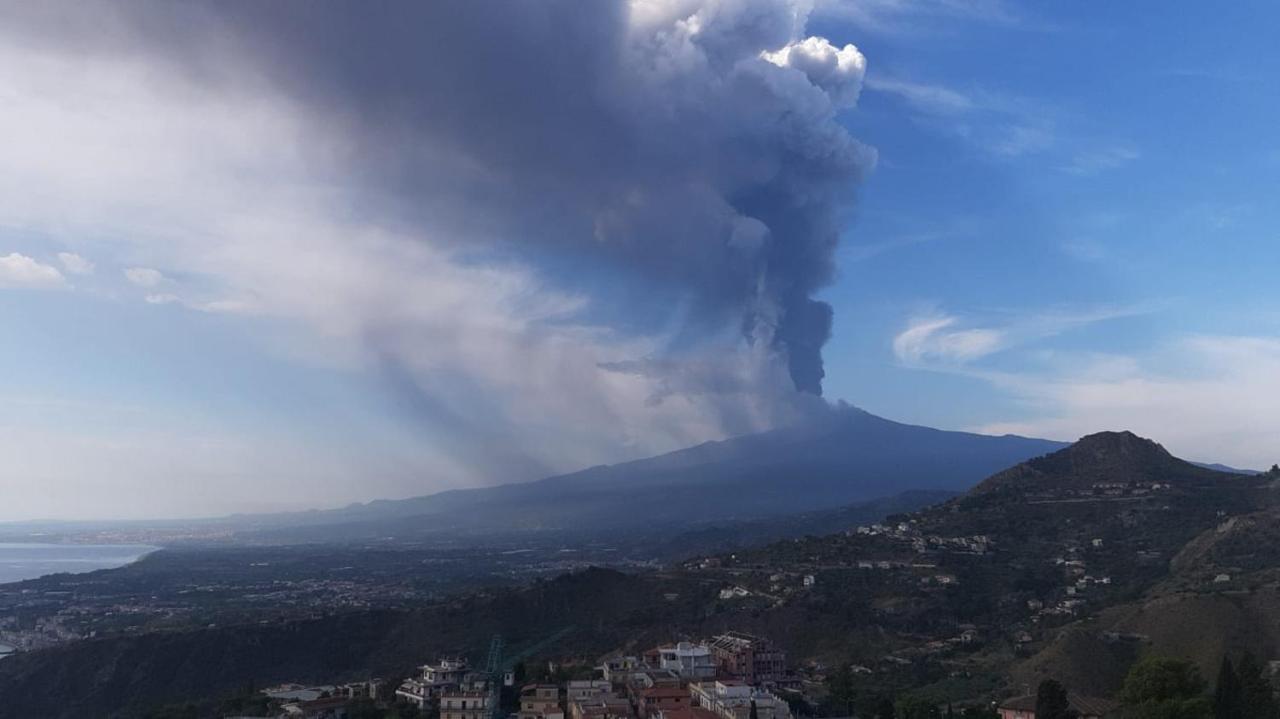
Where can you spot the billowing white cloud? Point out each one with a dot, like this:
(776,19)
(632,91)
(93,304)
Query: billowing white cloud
(838,71)
(75,264)
(21,271)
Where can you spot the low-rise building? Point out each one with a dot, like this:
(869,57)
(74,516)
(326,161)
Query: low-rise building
(649,702)
(360,690)
(603,706)
(619,668)
(734,699)
(692,662)
(540,701)
(578,689)
(464,705)
(752,659)
(434,680)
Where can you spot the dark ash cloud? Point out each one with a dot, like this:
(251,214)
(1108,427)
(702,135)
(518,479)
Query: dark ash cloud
(692,144)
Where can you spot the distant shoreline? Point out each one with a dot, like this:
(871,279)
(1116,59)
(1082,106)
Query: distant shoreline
(27,561)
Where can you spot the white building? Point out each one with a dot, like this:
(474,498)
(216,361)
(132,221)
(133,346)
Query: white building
(435,680)
(732,699)
(464,705)
(584,689)
(692,662)
(620,668)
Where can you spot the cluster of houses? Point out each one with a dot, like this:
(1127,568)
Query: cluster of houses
(730,676)
(922,543)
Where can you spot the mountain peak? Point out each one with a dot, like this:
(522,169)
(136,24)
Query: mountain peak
(1111,446)
(1100,457)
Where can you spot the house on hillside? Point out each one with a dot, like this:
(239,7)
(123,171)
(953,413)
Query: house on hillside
(691,661)
(464,705)
(754,660)
(1024,707)
(734,699)
(434,680)
(540,701)
(650,702)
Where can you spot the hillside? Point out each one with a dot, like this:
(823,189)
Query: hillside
(1047,563)
(1221,594)
(1068,565)
(584,612)
(846,457)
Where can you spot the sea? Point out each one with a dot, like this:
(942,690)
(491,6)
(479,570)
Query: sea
(28,560)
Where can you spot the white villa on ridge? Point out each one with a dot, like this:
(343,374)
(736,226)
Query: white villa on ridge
(691,661)
(435,680)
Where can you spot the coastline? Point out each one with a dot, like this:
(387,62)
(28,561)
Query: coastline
(35,560)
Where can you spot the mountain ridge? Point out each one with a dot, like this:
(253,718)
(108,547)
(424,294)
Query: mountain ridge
(843,458)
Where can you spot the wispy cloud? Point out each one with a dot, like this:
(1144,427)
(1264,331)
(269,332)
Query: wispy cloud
(1018,139)
(144,276)
(933,99)
(998,124)
(1094,161)
(908,17)
(949,342)
(1004,126)
(75,264)
(928,339)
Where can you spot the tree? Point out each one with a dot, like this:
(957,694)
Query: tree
(364,709)
(1164,688)
(1257,700)
(885,709)
(1052,702)
(840,690)
(916,707)
(1226,694)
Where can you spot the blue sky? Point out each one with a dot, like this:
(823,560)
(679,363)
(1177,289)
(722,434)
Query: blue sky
(1091,182)
(208,306)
